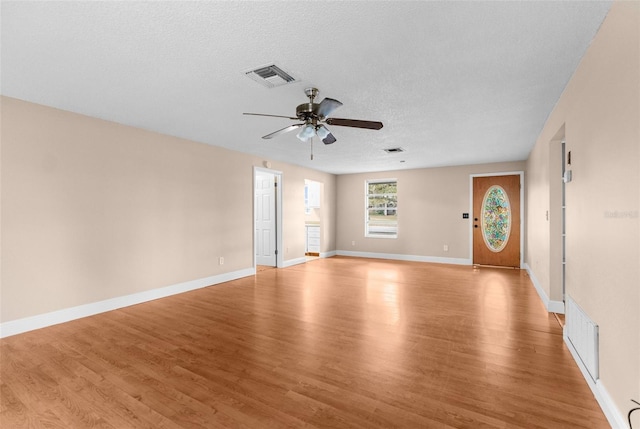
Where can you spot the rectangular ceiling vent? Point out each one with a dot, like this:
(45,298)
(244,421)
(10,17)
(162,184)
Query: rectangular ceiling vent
(270,76)
(394,150)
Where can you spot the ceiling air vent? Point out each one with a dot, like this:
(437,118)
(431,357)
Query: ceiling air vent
(270,76)
(394,150)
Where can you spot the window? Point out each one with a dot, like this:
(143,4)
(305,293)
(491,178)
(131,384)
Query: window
(381,211)
(311,195)
(307,207)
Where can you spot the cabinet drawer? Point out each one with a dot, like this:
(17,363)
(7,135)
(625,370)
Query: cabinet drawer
(313,239)
(313,231)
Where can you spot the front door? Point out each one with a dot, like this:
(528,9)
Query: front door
(496,221)
(265,210)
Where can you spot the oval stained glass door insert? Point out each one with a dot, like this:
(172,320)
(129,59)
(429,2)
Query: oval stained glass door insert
(496,218)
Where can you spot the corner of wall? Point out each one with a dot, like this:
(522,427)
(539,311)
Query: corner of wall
(551,306)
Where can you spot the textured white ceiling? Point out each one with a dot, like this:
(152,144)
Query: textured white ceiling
(453,82)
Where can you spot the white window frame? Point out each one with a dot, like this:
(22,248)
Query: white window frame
(367,232)
(307,208)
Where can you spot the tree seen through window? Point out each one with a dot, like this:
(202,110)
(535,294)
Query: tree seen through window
(382,208)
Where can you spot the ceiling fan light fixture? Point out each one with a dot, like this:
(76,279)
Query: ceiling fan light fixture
(322,132)
(307,132)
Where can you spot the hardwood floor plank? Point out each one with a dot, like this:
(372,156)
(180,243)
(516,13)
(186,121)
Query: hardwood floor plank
(46,400)
(338,342)
(12,411)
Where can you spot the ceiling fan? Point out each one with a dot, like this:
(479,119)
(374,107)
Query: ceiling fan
(314,116)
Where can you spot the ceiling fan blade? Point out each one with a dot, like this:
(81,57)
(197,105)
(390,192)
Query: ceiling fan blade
(329,139)
(327,106)
(355,123)
(272,116)
(282,131)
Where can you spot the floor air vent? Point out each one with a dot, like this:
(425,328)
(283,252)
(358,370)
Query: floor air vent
(582,332)
(270,76)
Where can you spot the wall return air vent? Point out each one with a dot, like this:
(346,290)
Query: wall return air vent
(270,76)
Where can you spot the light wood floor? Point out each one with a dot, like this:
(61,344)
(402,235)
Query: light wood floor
(339,342)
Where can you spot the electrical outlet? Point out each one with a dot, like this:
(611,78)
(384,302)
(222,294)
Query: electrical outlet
(221,260)
(446,247)
(353,243)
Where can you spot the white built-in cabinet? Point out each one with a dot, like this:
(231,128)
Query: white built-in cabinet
(313,239)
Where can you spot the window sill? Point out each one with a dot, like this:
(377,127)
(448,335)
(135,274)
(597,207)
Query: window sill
(380,236)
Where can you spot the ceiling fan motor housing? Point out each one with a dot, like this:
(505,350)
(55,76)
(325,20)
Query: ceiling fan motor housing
(307,111)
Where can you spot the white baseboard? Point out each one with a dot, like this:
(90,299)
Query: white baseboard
(401,257)
(328,254)
(297,261)
(19,326)
(555,307)
(611,412)
(550,305)
(292,262)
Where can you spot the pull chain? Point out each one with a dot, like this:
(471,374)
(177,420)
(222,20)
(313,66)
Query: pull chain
(311,148)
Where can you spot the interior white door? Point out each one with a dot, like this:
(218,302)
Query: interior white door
(265,208)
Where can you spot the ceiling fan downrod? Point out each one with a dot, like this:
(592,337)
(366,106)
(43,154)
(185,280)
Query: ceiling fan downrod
(312,93)
(304,111)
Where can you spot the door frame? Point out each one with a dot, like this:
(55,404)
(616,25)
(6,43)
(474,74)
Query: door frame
(278,208)
(522,213)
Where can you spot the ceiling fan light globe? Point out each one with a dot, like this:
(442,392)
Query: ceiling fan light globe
(307,132)
(322,131)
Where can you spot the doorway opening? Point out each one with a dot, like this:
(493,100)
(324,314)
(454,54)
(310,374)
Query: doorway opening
(564,223)
(312,218)
(556,222)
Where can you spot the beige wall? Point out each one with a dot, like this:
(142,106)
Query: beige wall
(537,226)
(430,206)
(93,210)
(600,113)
